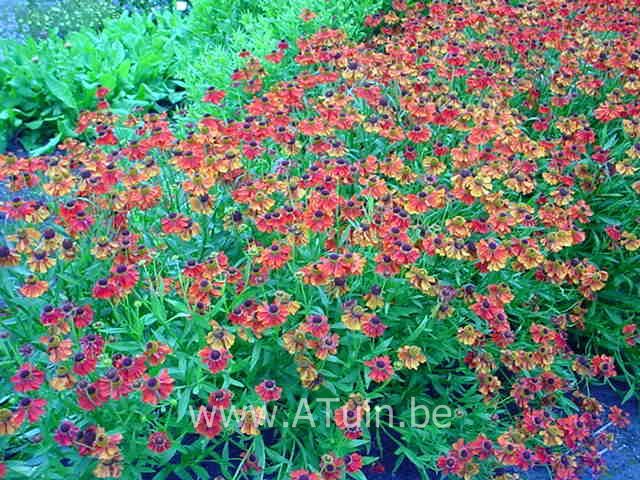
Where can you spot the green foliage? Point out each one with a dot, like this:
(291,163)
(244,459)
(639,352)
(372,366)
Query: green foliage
(39,20)
(63,16)
(45,84)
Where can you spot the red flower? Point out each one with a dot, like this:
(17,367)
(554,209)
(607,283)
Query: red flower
(481,447)
(317,220)
(631,336)
(220,398)
(130,368)
(373,327)
(209,421)
(317,325)
(275,256)
(124,277)
(84,364)
(492,254)
(614,232)
(158,442)
(353,462)
(31,409)
(449,465)
(92,345)
(602,365)
(275,56)
(102,92)
(156,352)
(106,136)
(269,391)
(89,397)
(83,316)
(347,417)
(216,360)
(157,388)
(113,386)
(104,289)
(304,475)
(331,467)
(381,369)
(419,135)
(271,315)
(66,433)
(619,417)
(213,96)
(486,309)
(28,378)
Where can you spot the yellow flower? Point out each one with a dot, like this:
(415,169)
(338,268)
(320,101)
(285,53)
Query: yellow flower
(468,335)
(252,418)
(411,356)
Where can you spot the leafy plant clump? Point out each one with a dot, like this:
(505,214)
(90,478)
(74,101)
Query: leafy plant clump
(45,81)
(40,18)
(442,215)
(44,84)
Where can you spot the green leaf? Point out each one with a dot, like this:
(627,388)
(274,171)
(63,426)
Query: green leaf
(183,403)
(48,147)
(61,91)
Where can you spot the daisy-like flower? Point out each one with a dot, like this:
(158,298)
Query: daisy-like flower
(130,368)
(411,356)
(493,255)
(66,433)
(83,316)
(157,388)
(619,417)
(317,325)
(34,288)
(213,96)
(209,421)
(216,359)
(251,419)
(31,409)
(269,391)
(156,352)
(27,378)
(275,256)
(124,277)
(113,386)
(303,475)
(40,262)
(373,326)
(84,364)
(353,462)
(92,344)
(271,315)
(381,369)
(9,422)
(331,467)
(104,289)
(602,365)
(220,398)
(8,258)
(158,442)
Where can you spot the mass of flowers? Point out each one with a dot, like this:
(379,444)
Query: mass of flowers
(429,216)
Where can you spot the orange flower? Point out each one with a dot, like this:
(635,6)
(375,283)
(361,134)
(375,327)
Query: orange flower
(411,356)
(33,287)
(492,255)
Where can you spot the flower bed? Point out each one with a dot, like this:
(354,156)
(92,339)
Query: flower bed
(427,236)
